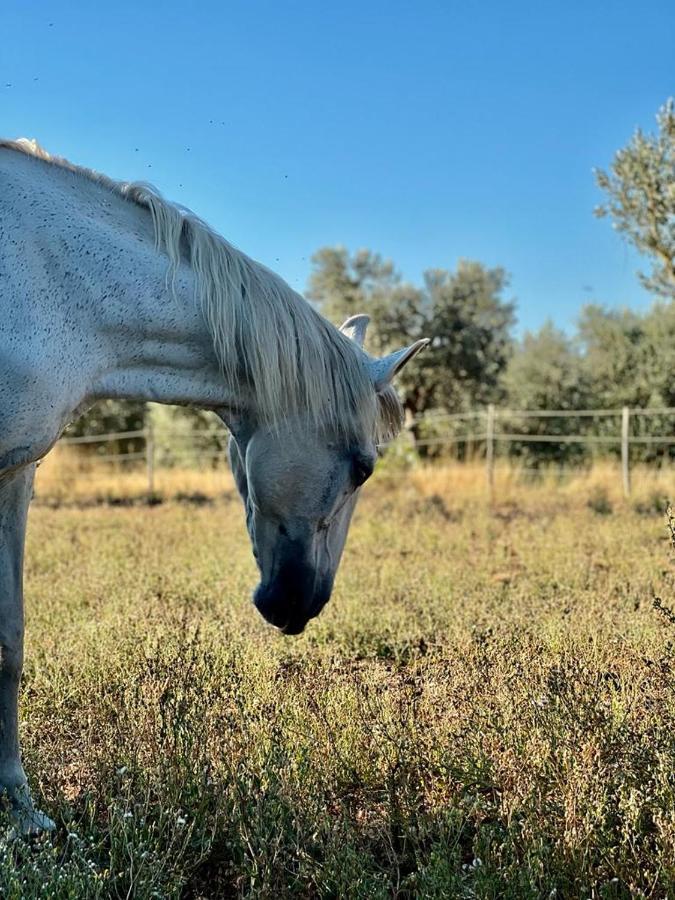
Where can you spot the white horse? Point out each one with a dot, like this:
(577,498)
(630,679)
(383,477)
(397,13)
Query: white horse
(107,290)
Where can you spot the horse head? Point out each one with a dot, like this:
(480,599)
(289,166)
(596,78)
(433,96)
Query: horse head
(300,485)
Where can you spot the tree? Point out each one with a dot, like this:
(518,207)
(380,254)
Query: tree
(641,198)
(108,417)
(344,285)
(470,327)
(187,435)
(612,347)
(462,312)
(546,373)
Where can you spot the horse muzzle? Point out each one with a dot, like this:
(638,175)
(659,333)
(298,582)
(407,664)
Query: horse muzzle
(292,598)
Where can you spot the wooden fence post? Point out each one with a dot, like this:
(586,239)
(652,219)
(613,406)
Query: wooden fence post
(625,447)
(150,458)
(490,448)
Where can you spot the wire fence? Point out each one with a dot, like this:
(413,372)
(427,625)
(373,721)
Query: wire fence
(484,431)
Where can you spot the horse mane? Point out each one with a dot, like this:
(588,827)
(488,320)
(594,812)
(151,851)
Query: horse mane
(264,333)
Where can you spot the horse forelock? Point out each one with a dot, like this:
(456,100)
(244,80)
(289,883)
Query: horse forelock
(291,358)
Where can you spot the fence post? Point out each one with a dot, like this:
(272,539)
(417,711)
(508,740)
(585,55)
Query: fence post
(490,448)
(150,458)
(625,446)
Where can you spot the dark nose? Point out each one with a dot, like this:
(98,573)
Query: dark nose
(293,597)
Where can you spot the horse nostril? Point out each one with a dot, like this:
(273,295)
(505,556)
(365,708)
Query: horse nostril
(283,530)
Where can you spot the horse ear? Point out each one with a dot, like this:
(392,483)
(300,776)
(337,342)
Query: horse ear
(382,371)
(355,328)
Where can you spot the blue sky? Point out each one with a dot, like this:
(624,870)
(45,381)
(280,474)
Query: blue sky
(426,131)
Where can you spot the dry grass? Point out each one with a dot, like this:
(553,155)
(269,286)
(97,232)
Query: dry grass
(66,477)
(486,708)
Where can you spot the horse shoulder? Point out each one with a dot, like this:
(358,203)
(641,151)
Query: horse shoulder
(31,407)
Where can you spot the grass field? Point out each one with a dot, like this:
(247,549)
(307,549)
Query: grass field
(485,709)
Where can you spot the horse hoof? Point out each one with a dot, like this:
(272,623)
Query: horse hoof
(25,820)
(31,822)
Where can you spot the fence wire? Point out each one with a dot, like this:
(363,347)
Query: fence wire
(157,449)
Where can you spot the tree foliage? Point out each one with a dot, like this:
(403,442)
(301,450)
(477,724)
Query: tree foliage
(546,372)
(462,312)
(612,347)
(109,417)
(344,285)
(640,188)
(614,359)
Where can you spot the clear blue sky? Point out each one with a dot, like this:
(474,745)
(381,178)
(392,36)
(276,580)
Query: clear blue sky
(427,131)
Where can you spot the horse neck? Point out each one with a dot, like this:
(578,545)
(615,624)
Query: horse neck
(157,344)
(158,348)
(86,309)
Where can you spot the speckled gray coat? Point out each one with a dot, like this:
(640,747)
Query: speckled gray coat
(86,313)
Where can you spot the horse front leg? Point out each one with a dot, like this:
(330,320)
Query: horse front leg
(15,494)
